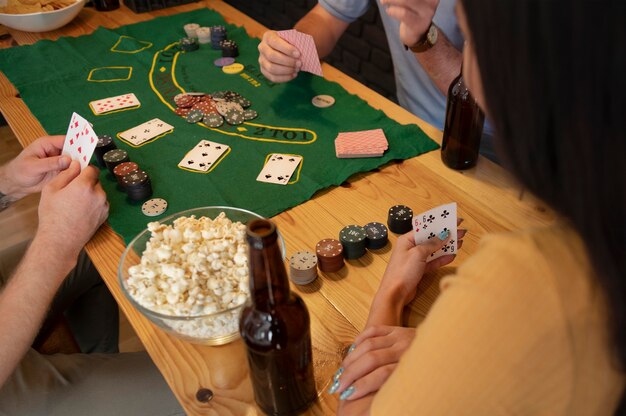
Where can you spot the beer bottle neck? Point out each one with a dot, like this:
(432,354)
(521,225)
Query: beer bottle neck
(269,283)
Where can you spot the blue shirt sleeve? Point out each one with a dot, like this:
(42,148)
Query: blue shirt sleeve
(346,10)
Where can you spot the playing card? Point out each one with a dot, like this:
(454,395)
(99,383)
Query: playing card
(308,52)
(279,168)
(119,102)
(146,131)
(80,140)
(429,224)
(367,143)
(204,156)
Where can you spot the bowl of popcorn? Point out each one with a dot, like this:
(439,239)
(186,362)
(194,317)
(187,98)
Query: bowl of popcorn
(38,15)
(188,273)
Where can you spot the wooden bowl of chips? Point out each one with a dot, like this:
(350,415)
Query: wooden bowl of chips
(38,15)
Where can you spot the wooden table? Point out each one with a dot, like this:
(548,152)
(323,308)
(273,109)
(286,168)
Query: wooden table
(338,302)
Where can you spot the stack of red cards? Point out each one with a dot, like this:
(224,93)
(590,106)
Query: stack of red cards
(368,143)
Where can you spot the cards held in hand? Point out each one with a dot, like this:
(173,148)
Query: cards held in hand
(431,223)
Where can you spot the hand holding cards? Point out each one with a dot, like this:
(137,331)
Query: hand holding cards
(308,52)
(80,140)
(431,223)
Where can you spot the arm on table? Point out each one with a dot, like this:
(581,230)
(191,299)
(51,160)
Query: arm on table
(73,205)
(279,60)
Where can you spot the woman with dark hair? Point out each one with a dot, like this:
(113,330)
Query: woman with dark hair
(535,321)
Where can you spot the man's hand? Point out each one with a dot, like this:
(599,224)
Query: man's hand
(35,166)
(279,60)
(414,16)
(73,205)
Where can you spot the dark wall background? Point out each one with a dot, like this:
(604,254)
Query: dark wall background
(362,52)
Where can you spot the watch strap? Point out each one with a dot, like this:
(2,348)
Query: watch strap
(424,43)
(5,201)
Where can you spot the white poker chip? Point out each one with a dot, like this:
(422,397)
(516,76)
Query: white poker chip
(154,207)
(323,101)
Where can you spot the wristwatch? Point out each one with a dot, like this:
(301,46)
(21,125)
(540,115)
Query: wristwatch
(427,40)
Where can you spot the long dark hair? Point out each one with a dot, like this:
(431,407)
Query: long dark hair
(554,81)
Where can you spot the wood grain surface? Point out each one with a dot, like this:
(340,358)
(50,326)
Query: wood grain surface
(488,200)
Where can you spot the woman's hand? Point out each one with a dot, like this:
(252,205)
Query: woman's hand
(372,359)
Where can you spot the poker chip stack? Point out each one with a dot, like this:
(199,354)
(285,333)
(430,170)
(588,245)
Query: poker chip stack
(191,29)
(114,157)
(218,34)
(188,44)
(215,108)
(204,35)
(353,238)
(123,169)
(329,255)
(399,219)
(377,235)
(105,143)
(229,48)
(137,185)
(303,267)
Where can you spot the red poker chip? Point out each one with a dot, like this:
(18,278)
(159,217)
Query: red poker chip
(125,168)
(185,100)
(182,111)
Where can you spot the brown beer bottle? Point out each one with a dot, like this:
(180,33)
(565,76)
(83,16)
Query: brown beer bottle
(276,329)
(463,127)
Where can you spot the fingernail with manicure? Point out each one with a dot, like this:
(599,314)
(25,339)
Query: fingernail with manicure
(338,374)
(334,387)
(347,393)
(444,234)
(352,347)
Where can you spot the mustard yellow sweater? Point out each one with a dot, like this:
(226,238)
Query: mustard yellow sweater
(521,329)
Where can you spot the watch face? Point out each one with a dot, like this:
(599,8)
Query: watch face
(432,34)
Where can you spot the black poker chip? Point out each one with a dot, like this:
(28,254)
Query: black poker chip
(377,235)
(188,44)
(218,95)
(400,219)
(213,120)
(105,143)
(114,157)
(243,102)
(194,116)
(135,179)
(138,185)
(229,48)
(234,117)
(249,114)
(353,239)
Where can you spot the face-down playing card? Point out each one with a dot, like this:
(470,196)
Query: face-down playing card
(308,52)
(366,143)
(80,140)
(146,131)
(204,156)
(279,168)
(429,224)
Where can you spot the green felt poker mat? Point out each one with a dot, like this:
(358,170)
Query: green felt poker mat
(56,78)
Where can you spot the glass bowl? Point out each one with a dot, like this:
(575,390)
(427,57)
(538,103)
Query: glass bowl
(217,328)
(42,21)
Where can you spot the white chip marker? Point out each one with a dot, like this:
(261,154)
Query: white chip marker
(154,207)
(323,101)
